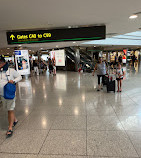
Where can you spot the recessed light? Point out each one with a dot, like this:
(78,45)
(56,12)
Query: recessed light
(20,45)
(133,16)
(41,48)
(69,27)
(8,48)
(94,46)
(74,42)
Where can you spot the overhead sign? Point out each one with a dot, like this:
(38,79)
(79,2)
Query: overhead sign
(57,35)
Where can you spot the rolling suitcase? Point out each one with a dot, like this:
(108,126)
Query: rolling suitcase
(106,80)
(111,86)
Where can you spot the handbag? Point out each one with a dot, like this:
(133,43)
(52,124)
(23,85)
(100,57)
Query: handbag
(9,90)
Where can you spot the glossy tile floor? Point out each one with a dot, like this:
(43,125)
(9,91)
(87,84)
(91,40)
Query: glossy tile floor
(63,116)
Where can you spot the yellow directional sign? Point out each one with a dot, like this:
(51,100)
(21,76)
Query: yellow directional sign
(12,36)
(57,35)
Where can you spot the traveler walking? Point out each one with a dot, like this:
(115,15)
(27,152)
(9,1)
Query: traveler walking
(8,78)
(54,66)
(133,59)
(36,68)
(50,66)
(101,71)
(120,59)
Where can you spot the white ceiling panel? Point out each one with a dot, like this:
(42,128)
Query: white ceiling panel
(135,34)
(46,14)
(114,41)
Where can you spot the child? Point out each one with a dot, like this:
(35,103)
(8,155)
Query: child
(119,76)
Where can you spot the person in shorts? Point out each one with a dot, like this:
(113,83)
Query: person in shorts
(119,77)
(8,75)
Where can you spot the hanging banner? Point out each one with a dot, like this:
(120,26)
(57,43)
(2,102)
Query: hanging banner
(22,62)
(57,35)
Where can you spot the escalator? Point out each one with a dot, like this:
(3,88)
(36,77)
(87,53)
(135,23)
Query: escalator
(85,60)
(70,59)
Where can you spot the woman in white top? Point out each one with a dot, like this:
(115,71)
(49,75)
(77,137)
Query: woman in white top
(101,72)
(119,77)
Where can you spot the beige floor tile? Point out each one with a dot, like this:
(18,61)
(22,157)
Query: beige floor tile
(65,142)
(24,141)
(110,143)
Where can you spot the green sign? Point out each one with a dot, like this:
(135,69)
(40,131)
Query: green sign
(57,35)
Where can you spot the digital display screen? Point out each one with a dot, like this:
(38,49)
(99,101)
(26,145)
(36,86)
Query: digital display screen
(57,35)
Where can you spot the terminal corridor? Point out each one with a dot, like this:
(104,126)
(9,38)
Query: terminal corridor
(64,116)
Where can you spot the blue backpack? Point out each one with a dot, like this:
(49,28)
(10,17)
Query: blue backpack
(9,91)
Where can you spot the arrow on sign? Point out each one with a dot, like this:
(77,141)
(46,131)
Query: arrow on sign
(12,36)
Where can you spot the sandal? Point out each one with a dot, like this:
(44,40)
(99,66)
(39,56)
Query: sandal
(9,135)
(14,124)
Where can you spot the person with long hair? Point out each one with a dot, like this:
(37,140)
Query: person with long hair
(119,77)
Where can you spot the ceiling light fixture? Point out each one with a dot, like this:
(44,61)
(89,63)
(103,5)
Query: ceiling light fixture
(41,48)
(69,27)
(74,42)
(8,48)
(134,16)
(57,46)
(20,45)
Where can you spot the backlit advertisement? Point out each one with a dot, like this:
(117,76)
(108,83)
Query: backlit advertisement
(58,56)
(22,62)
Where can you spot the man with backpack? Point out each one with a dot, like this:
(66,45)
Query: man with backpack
(8,78)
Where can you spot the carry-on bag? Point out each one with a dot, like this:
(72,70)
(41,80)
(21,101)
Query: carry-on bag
(111,86)
(106,80)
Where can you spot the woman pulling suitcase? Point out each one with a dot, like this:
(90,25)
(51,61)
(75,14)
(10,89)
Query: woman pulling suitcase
(101,72)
